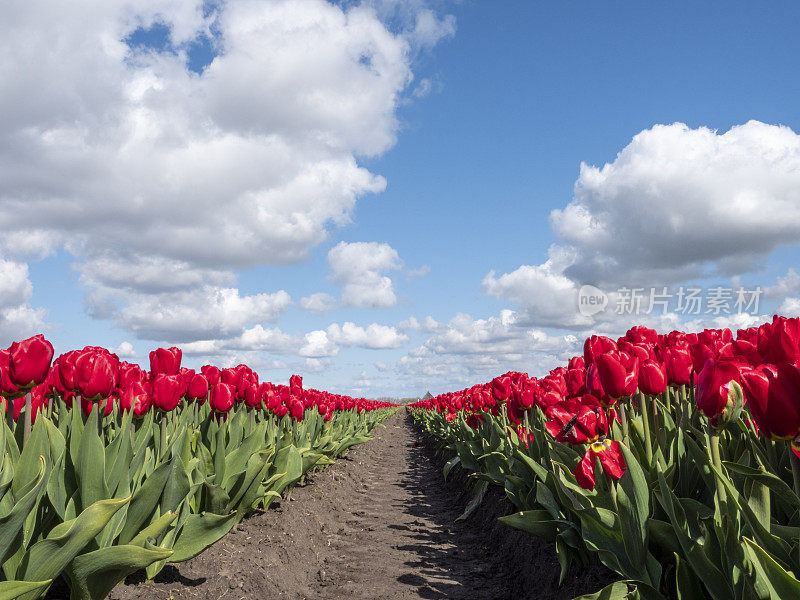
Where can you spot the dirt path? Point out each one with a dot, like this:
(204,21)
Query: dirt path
(377,524)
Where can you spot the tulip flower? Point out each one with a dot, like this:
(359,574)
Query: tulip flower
(211,373)
(501,388)
(197,388)
(679,365)
(29,361)
(619,373)
(95,374)
(221,398)
(296,385)
(166,391)
(595,345)
(166,361)
(8,389)
(652,378)
(611,459)
(718,393)
(772,393)
(135,397)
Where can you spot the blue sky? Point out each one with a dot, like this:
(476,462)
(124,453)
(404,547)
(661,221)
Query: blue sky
(476,115)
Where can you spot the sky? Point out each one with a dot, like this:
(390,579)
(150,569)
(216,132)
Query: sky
(389,196)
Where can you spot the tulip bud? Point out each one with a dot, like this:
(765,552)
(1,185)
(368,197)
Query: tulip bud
(29,361)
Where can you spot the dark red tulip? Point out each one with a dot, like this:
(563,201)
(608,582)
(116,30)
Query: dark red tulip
(296,385)
(135,397)
(773,399)
(221,398)
(619,373)
(211,373)
(9,390)
(197,388)
(501,388)
(718,393)
(166,392)
(95,374)
(165,360)
(611,459)
(652,378)
(29,361)
(679,365)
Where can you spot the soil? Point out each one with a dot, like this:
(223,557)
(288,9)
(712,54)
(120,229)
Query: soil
(380,523)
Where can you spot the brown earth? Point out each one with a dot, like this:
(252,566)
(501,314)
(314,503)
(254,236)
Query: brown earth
(380,523)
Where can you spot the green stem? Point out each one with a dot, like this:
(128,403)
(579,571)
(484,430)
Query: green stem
(624,418)
(26,432)
(722,497)
(163,438)
(646,425)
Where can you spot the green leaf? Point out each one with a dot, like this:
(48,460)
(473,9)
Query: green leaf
(90,466)
(687,585)
(94,575)
(48,557)
(537,522)
(475,502)
(633,501)
(199,532)
(11,524)
(9,590)
(770,576)
(449,466)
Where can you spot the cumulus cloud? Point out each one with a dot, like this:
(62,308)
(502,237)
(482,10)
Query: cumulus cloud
(678,201)
(125,350)
(160,179)
(318,303)
(373,336)
(207,313)
(359,268)
(676,204)
(18,319)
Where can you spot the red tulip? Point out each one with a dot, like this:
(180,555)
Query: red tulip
(577,421)
(166,391)
(9,390)
(773,399)
(718,393)
(619,373)
(221,398)
(596,344)
(135,397)
(198,388)
(501,388)
(296,385)
(167,361)
(95,374)
(29,361)
(652,378)
(679,365)
(211,373)
(611,459)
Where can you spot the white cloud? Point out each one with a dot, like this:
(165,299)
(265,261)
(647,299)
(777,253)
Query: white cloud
(374,336)
(680,202)
(18,319)
(159,179)
(318,344)
(382,367)
(418,272)
(207,313)
(359,268)
(125,350)
(318,303)
(428,325)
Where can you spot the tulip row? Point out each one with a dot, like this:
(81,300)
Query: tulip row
(106,469)
(671,459)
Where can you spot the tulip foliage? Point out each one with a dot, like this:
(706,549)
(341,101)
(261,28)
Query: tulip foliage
(106,469)
(674,460)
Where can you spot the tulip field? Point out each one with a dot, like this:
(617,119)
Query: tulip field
(107,469)
(671,459)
